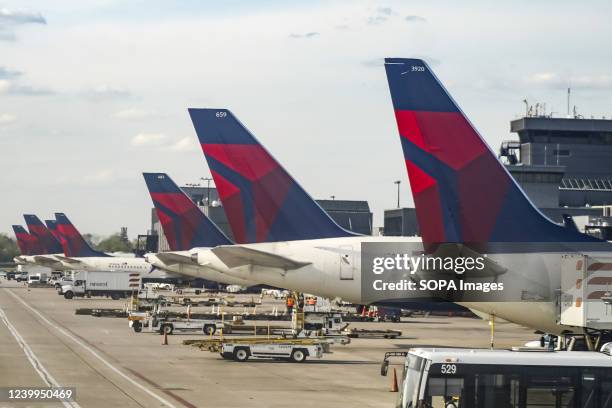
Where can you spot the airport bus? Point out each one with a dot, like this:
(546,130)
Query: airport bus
(476,378)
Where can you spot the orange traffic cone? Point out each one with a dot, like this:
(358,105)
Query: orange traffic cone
(394,381)
(165,342)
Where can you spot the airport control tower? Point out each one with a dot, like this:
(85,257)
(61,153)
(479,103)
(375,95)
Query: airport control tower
(573,154)
(565,167)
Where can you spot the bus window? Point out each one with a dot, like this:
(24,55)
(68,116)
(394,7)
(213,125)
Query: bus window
(555,392)
(497,390)
(606,392)
(445,392)
(589,391)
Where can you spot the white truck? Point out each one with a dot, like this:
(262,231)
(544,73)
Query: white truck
(115,285)
(59,283)
(585,299)
(296,350)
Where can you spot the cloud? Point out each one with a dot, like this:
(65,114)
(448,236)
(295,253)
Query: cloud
(310,34)
(6,118)
(555,80)
(378,19)
(10,19)
(6,73)
(107,91)
(385,10)
(8,87)
(133,114)
(185,144)
(148,139)
(415,19)
(381,15)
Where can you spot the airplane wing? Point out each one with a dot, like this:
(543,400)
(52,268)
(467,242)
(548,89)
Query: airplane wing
(67,259)
(170,258)
(236,255)
(45,259)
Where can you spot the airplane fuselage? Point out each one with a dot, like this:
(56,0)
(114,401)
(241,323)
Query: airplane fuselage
(334,270)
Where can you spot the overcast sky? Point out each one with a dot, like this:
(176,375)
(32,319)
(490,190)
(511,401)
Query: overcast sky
(92,93)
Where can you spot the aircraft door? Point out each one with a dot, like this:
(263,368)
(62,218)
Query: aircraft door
(347,264)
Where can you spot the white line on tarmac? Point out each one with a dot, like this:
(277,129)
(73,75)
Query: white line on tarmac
(38,367)
(94,353)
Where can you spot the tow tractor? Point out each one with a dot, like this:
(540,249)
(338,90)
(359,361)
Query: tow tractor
(169,325)
(291,350)
(241,349)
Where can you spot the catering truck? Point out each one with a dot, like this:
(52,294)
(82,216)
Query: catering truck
(115,285)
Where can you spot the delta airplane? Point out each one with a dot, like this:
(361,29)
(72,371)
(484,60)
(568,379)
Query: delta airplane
(464,196)
(27,244)
(40,245)
(79,255)
(297,245)
(185,227)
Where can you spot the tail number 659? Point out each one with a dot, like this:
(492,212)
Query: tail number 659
(221,114)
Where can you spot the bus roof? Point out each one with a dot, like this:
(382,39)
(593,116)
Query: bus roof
(510,357)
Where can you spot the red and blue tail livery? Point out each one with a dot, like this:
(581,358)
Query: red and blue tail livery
(28,244)
(184,224)
(52,226)
(462,193)
(75,244)
(262,201)
(48,243)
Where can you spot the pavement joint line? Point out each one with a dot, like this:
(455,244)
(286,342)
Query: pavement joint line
(93,352)
(36,364)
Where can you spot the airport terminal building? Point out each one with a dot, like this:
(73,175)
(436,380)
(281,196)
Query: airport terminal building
(564,165)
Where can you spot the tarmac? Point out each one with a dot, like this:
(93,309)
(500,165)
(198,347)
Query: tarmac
(43,342)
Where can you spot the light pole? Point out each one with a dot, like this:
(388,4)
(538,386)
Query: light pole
(207,179)
(398,182)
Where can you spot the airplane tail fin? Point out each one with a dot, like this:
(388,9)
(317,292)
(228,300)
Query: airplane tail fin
(45,238)
(462,193)
(75,246)
(53,228)
(184,224)
(28,244)
(261,200)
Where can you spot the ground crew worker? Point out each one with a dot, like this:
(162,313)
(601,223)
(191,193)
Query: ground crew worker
(290,304)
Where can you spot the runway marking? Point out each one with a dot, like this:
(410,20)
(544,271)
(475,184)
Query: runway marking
(94,353)
(36,364)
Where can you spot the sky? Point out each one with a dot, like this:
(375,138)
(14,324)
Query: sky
(94,93)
